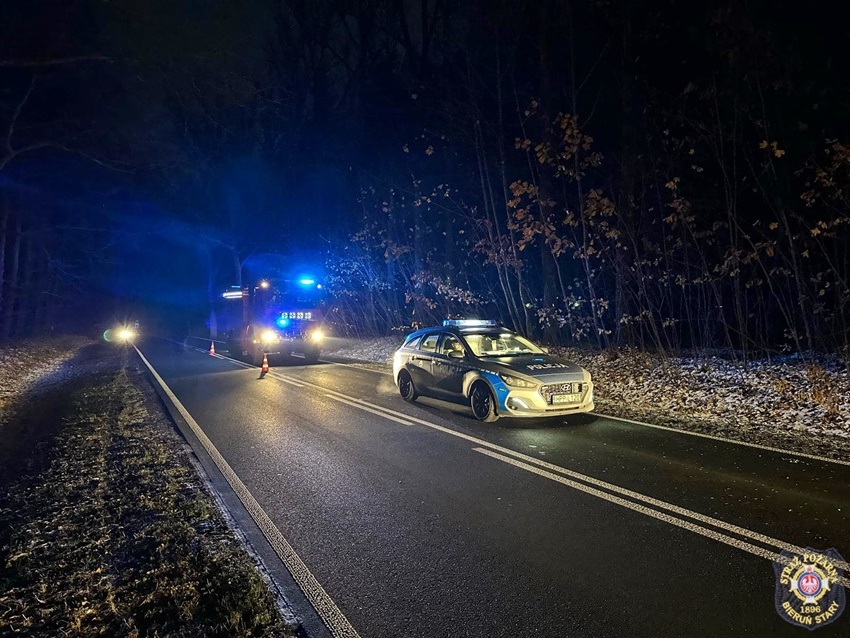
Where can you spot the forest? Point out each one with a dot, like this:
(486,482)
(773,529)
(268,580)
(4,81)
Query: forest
(669,176)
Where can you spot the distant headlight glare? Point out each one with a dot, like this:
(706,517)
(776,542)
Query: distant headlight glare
(316,336)
(516,382)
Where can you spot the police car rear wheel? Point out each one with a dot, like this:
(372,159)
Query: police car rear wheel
(482,403)
(406,387)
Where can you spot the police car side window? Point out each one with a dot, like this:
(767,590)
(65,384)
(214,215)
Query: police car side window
(448,344)
(429,343)
(475,343)
(412,342)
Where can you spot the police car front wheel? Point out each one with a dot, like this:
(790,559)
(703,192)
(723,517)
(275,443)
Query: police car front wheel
(483,403)
(406,388)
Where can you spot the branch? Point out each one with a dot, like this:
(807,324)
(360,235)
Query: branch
(54,61)
(91,158)
(13,153)
(17,114)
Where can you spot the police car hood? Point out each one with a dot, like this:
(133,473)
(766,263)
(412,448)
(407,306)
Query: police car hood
(543,367)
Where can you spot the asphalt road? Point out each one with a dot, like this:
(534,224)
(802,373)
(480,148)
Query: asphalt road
(420,521)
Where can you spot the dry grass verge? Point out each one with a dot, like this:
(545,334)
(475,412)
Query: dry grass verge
(118,537)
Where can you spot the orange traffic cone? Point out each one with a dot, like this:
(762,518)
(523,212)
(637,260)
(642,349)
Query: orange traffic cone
(212,347)
(265,367)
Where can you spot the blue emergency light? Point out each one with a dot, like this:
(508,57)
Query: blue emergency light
(471,323)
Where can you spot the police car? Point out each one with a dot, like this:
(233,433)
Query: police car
(496,371)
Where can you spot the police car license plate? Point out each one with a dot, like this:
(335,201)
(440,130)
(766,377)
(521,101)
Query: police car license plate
(566,398)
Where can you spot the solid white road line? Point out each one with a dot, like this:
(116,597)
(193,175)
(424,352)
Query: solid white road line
(709,520)
(248,366)
(356,367)
(814,457)
(333,618)
(366,408)
(767,448)
(280,377)
(752,535)
(642,509)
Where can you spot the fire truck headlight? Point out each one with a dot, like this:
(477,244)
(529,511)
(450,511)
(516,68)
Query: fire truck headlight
(268,336)
(316,336)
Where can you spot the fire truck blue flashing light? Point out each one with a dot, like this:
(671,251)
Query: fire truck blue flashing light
(306,281)
(282,322)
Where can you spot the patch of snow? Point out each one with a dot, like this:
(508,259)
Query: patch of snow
(782,402)
(369,350)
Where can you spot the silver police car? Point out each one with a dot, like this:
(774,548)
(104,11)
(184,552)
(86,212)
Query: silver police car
(496,371)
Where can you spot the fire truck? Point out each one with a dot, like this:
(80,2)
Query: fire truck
(280,318)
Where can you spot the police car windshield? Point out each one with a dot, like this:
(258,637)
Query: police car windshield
(499,344)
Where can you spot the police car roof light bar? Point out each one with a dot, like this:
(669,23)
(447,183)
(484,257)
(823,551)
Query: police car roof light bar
(471,323)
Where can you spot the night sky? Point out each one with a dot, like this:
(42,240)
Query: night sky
(154,145)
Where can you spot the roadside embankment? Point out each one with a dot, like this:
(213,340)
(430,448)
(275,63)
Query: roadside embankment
(790,403)
(24,363)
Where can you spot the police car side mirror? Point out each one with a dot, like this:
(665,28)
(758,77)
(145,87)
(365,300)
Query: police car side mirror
(456,354)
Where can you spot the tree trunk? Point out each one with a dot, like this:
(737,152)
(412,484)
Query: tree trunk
(28,297)
(4,216)
(626,207)
(12,281)
(212,297)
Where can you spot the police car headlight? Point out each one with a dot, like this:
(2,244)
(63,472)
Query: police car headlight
(516,382)
(268,336)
